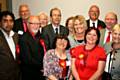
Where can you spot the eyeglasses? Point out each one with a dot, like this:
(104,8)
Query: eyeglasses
(34,23)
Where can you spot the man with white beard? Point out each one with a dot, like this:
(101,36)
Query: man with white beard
(32,51)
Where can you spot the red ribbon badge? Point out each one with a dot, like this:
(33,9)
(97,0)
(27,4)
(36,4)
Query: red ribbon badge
(43,44)
(17,49)
(62,63)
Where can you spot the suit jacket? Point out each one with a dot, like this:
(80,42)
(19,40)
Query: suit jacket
(18,25)
(100,24)
(102,36)
(31,56)
(108,47)
(49,34)
(31,50)
(9,69)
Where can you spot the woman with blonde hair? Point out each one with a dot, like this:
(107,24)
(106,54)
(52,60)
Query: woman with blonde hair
(113,54)
(80,26)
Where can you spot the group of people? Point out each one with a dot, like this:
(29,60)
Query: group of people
(32,49)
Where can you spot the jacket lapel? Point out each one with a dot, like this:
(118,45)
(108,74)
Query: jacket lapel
(6,44)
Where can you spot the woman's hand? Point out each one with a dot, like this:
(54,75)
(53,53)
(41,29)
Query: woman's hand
(100,70)
(52,77)
(74,71)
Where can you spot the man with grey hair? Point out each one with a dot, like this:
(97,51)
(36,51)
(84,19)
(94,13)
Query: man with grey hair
(110,21)
(93,20)
(32,51)
(20,25)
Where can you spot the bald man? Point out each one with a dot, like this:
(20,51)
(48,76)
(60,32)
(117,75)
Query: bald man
(32,51)
(20,25)
(93,20)
(110,21)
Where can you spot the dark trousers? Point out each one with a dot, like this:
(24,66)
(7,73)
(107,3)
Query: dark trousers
(31,73)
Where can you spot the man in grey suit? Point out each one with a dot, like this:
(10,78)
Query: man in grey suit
(9,69)
(50,31)
(110,21)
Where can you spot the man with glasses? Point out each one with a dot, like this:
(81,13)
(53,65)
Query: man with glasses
(32,51)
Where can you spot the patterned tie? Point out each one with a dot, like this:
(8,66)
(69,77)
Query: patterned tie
(56,30)
(25,26)
(93,24)
(108,37)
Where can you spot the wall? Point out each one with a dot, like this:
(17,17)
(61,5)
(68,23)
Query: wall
(3,5)
(69,7)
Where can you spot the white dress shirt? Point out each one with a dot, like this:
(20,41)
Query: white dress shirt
(10,42)
(54,27)
(91,23)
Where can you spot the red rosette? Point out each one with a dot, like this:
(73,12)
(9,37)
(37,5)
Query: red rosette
(62,63)
(43,44)
(82,57)
(17,49)
(99,27)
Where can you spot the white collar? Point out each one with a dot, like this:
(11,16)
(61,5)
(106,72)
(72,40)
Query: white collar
(94,21)
(6,35)
(91,23)
(54,27)
(107,30)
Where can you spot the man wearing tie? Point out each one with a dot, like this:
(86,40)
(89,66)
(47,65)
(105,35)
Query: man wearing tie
(50,31)
(110,21)
(93,20)
(20,25)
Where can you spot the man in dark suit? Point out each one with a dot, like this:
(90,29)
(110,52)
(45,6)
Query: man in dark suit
(20,25)
(9,69)
(93,20)
(31,51)
(50,31)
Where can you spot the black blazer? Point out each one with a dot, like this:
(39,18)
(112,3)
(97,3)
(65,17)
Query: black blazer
(100,24)
(9,69)
(31,56)
(49,34)
(31,51)
(18,25)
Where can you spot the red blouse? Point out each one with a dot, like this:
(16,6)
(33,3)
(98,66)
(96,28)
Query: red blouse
(87,60)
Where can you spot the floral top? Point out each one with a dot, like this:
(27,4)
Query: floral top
(51,64)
